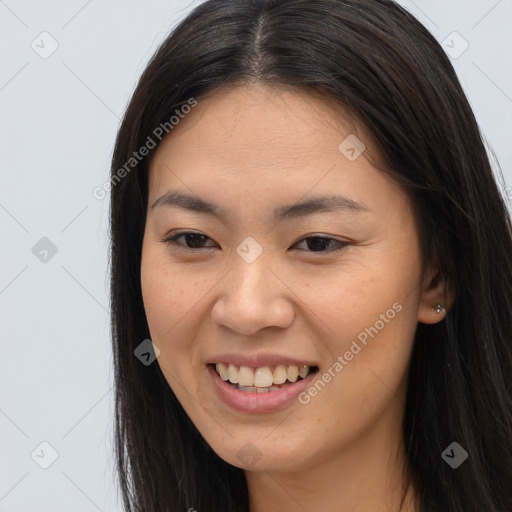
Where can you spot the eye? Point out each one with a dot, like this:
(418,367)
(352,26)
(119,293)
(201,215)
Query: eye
(194,240)
(321,244)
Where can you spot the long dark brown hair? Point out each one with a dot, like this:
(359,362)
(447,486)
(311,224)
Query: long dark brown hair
(383,66)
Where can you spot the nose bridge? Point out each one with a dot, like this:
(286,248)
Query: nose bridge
(251,273)
(251,279)
(252,297)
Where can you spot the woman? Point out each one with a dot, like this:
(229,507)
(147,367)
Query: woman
(311,276)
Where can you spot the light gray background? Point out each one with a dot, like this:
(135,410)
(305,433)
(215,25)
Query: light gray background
(59,116)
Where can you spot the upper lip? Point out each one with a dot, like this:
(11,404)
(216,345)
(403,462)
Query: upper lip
(260,360)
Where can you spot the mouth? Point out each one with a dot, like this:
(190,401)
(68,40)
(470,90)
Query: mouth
(264,379)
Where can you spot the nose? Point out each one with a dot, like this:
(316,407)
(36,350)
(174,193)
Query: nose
(253,297)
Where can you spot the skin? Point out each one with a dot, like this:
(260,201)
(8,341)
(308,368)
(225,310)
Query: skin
(250,149)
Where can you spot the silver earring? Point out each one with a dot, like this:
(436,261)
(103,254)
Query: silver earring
(438,308)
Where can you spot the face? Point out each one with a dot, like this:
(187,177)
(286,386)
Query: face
(310,309)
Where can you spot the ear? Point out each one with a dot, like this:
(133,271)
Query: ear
(435,291)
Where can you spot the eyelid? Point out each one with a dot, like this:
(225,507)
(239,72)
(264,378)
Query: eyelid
(170,240)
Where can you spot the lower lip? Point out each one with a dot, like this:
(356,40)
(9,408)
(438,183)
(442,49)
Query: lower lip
(258,402)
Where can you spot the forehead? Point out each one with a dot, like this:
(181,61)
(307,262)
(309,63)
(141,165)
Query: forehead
(266,143)
(260,125)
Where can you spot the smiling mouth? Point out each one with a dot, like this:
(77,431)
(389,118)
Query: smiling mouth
(264,379)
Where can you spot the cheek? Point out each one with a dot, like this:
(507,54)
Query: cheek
(371,313)
(169,305)
(167,293)
(174,303)
(160,299)
(348,300)
(167,299)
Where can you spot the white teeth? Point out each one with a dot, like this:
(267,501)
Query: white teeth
(279,375)
(222,371)
(232,374)
(263,377)
(245,376)
(303,371)
(292,373)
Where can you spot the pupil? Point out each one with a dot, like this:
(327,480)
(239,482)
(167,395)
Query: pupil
(314,241)
(195,237)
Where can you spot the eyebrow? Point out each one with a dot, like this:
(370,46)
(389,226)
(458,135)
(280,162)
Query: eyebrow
(311,206)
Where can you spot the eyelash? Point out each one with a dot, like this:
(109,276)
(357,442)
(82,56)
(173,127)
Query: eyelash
(171,241)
